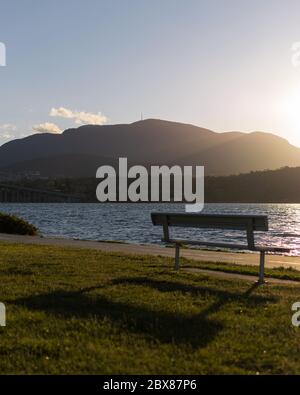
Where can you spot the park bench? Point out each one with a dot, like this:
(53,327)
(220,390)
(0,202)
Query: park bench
(247,223)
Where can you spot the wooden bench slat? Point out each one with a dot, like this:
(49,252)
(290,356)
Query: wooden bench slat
(208,244)
(227,245)
(271,249)
(213,221)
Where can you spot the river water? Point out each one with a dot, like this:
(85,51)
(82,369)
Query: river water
(132,223)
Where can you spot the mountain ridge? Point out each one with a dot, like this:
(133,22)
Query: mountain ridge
(151,141)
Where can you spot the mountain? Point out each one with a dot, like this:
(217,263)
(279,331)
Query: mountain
(78,152)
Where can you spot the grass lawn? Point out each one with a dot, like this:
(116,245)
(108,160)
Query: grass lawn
(83,311)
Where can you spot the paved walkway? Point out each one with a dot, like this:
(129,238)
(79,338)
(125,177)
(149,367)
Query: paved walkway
(272,261)
(237,276)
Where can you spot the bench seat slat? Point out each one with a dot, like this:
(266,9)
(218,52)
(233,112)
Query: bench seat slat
(207,244)
(272,249)
(227,245)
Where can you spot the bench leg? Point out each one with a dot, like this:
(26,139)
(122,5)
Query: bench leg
(261,279)
(177,256)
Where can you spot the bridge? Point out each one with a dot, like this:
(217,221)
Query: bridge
(17,194)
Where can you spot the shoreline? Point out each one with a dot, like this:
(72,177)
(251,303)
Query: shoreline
(245,258)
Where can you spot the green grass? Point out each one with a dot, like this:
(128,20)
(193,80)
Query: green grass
(84,311)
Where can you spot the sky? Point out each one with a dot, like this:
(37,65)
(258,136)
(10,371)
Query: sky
(227,65)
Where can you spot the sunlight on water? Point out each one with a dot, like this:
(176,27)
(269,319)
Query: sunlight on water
(132,223)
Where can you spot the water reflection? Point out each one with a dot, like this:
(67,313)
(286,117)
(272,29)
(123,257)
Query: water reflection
(131,222)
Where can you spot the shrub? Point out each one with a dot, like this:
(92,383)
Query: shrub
(15,225)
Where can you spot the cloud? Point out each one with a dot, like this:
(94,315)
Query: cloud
(7,135)
(46,127)
(6,131)
(80,117)
(9,127)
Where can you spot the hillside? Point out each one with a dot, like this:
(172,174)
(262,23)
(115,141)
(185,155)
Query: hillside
(273,186)
(78,152)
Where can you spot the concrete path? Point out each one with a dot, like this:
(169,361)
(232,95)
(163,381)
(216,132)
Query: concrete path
(237,276)
(272,261)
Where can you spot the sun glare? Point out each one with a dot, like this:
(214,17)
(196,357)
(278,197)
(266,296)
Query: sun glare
(291,110)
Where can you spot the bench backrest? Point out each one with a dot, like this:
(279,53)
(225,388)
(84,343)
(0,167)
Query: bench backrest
(249,223)
(239,222)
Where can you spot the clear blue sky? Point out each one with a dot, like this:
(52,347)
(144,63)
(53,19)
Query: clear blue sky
(221,64)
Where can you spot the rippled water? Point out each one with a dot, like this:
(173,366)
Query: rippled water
(132,223)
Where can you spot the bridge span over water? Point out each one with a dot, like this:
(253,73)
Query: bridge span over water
(17,194)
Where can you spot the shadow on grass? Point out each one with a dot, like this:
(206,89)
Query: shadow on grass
(164,326)
(195,290)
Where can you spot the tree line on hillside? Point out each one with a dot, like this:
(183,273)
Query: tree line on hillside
(270,186)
